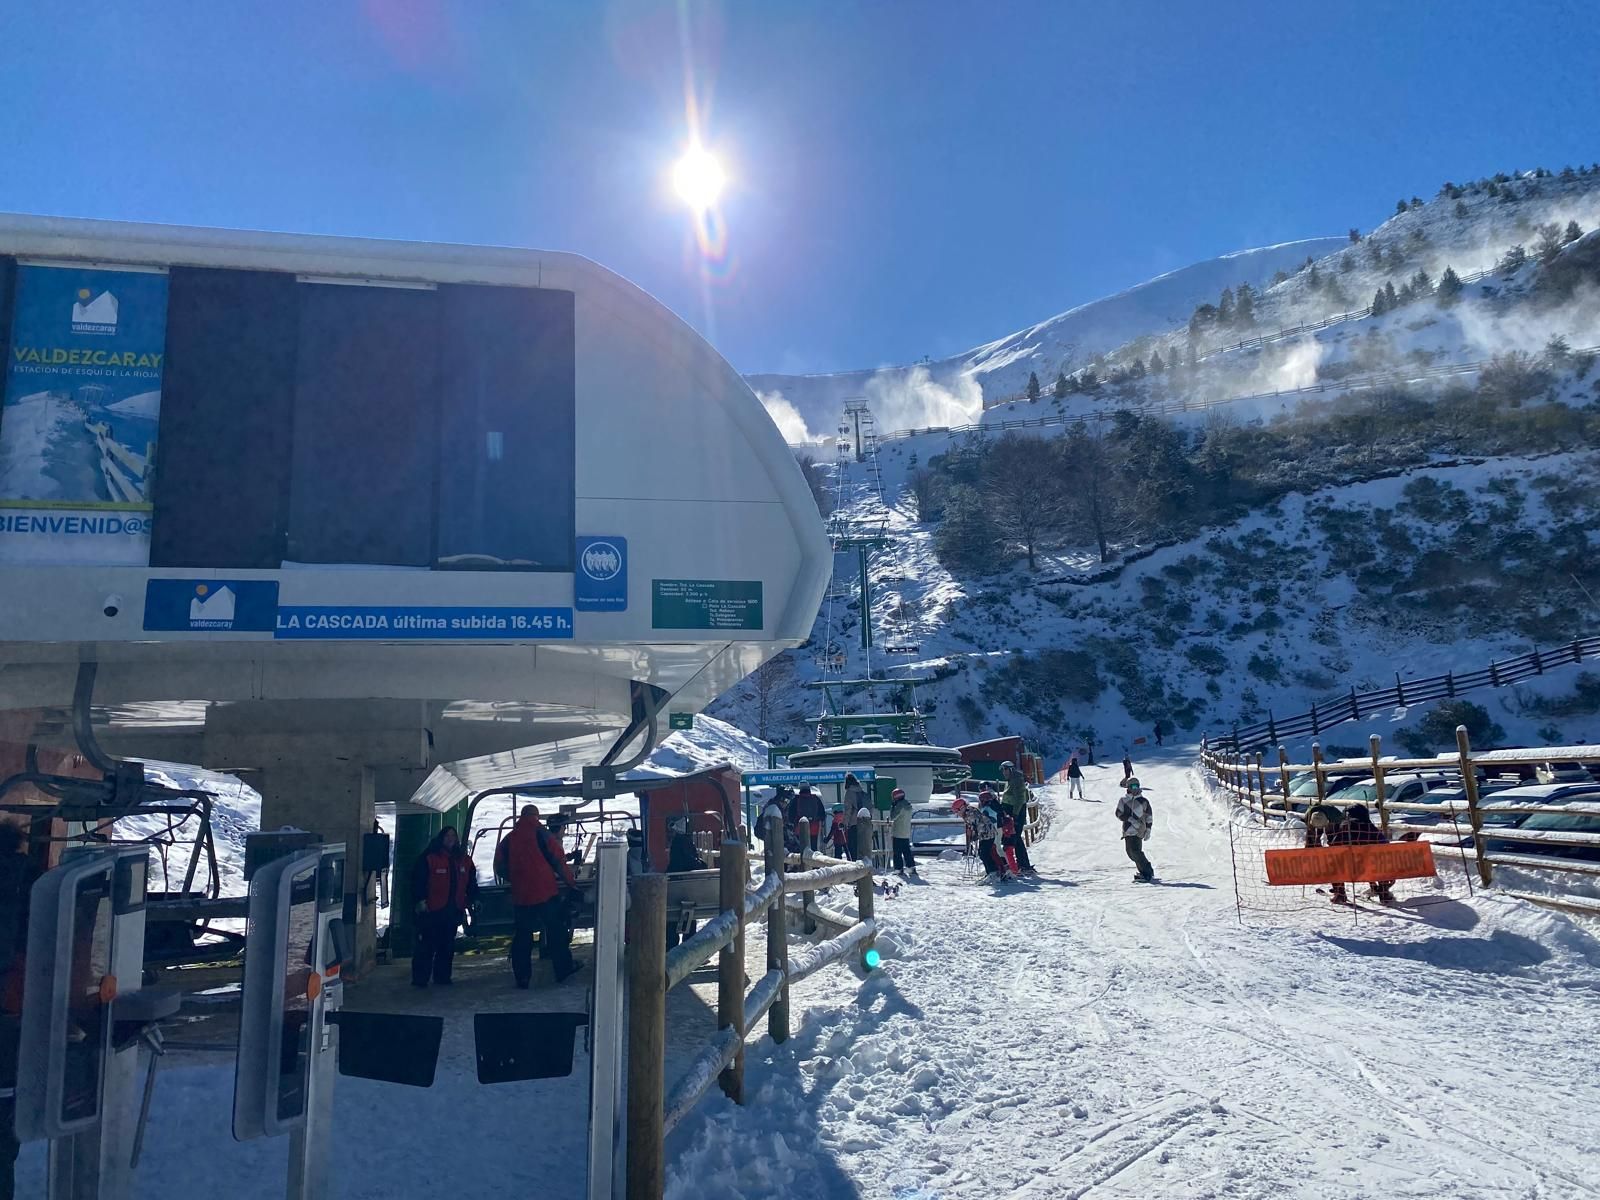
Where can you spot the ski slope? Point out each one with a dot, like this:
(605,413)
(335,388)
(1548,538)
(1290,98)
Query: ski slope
(1091,1037)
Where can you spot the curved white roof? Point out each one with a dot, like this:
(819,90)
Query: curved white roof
(673,453)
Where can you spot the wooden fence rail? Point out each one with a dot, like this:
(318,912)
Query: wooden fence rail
(1355,705)
(654,1108)
(1244,778)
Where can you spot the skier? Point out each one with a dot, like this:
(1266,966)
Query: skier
(900,814)
(1016,800)
(986,827)
(1321,821)
(1133,810)
(444,884)
(540,881)
(808,809)
(839,833)
(1158,733)
(1357,829)
(1074,779)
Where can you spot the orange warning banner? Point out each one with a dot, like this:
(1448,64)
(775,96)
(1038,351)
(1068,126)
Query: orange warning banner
(1350,864)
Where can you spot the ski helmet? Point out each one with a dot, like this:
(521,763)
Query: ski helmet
(898,794)
(1131,783)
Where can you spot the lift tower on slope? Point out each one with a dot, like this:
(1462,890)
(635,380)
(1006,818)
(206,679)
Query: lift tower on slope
(859,526)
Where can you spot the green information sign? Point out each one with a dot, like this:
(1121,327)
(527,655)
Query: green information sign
(705,604)
(680,720)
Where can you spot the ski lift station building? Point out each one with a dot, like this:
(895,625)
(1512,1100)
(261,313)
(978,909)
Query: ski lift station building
(374,522)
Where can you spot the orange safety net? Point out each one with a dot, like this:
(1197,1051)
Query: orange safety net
(1350,864)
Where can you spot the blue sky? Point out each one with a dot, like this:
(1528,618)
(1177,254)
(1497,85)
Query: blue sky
(908,178)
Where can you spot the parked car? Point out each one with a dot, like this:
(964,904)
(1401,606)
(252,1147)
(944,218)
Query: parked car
(1533,793)
(1303,789)
(1551,822)
(1455,797)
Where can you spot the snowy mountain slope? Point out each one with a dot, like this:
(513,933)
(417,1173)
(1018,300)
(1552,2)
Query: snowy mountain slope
(1512,309)
(1437,568)
(952,390)
(1089,1037)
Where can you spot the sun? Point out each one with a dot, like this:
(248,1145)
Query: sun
(698,179)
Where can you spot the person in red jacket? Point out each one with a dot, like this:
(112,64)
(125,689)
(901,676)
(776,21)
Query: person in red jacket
(531,859)
(444,884)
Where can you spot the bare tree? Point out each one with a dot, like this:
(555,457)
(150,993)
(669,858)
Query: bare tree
(1026,492)
(1091,498)
(769,683)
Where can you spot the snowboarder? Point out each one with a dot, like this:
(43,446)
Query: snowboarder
(444,885)
(1016,801)
(1074,779)
(1133,810)
(540,882)
(1357,829)
(808,809)
(900,814)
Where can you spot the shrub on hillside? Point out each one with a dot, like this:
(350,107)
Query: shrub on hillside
(1437,730)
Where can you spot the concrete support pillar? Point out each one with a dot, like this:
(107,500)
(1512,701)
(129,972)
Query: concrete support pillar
(336,800)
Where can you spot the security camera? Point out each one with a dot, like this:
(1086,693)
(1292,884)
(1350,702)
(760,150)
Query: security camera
(112,605)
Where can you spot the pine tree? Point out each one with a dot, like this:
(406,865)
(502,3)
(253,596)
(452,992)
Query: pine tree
(1407,293)
(1314,280)
(1573,233)
(1416,203)
(1391,300)
(1449,287)
(1033,386)
(1567,172)
(1461,209)
(1225,307)
(1355,236)
(1421,284)
(1156,365)
(1380,305)
(1278,277)
(1060,389)
(1347,263)
(1191,360)
(1399,208)
(1137,371)
(1515,259)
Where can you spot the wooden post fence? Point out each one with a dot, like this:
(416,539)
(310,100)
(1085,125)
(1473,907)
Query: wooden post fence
(1469,781)
(1376,744)
(647,1036)
(777,934)
(730,966)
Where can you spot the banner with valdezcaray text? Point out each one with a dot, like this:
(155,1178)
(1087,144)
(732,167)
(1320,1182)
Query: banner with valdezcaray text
(79,418)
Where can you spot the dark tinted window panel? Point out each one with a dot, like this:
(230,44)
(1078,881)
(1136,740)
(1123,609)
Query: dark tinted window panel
(506,453)
(365,426)
(227,394)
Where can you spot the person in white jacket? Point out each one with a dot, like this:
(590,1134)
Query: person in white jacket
(900,816)
(1133,810)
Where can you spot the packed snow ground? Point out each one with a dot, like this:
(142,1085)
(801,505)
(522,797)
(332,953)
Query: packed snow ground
(1084,1036)
(1088,1036)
